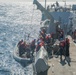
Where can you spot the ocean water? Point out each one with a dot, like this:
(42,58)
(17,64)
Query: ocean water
(17,20)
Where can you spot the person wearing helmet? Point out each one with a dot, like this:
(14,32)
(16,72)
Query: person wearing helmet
(19,43)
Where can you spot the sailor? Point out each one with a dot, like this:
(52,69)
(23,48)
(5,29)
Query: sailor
(44,30)
(43,34)
(48,44)
(41,43)
(67,45)
(20,42)
(58,30)
(38,46)
(61,36)
(57,4)
(74,34)
(51,39)
(33,46)
(61,46)
(21,48)
(67,54)
(47,39)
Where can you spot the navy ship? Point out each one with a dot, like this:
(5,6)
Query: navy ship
(56,17)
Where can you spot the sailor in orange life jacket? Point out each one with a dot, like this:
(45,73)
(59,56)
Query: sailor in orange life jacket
(47,39)
(61,46)
(21,48)
(67,45)
(37,46)
(40,43)
(19,43)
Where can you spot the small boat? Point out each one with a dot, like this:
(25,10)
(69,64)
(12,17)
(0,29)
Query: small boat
(24,60)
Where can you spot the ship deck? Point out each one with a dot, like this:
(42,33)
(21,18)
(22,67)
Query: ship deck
(57,67)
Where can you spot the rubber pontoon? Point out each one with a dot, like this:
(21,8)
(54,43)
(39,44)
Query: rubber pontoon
(24,61)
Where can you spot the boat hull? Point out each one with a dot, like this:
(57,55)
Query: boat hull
(24,61)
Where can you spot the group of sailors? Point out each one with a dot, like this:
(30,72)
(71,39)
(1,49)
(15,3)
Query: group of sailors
(35,45)
(64,44)
(49,41)
(46,40)
(24,47)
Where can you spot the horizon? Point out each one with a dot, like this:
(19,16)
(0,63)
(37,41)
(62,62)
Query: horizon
(38,0)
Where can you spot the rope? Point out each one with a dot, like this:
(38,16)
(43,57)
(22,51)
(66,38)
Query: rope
(27,35)
(32,14)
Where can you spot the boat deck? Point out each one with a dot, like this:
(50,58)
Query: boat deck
(63,68)
(58,67)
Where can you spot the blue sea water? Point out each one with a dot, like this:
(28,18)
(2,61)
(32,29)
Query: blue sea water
(16,20)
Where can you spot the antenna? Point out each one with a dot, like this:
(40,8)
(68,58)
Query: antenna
(45,4)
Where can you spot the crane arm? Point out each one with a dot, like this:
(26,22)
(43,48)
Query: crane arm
(42,9)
